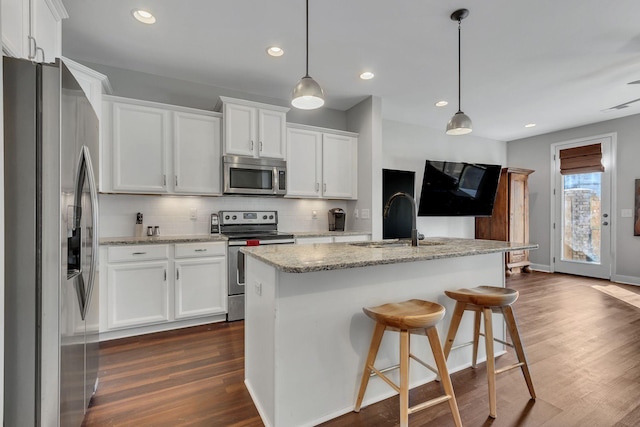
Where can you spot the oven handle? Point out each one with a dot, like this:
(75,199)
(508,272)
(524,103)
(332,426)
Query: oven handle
(262,242)
(240,269)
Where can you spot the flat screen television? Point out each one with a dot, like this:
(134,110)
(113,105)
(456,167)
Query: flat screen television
(458,189)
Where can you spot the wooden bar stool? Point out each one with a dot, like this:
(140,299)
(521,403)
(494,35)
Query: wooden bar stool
(413,316)
(487,300)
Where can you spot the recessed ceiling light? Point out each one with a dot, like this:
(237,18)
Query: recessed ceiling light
(275,51)
(441,103)
(530,125)
(367,75)
(143,16)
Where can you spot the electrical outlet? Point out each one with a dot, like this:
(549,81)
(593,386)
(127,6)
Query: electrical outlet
(626,213)
(314,214)
(355,213)
(365,213)
(258,288)
(193,214)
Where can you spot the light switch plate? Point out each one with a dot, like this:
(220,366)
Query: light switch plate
(193,214)
(365,213)
(626,213)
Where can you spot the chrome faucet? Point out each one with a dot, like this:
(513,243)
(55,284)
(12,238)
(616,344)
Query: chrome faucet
(414,230)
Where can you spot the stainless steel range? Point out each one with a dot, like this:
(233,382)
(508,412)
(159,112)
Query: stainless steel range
(246,228)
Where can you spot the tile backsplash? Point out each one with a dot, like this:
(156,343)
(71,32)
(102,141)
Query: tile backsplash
(173,213)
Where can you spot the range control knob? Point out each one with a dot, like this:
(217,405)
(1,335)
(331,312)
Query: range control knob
(264,217)
(270,216)
(226,217)
(234,217)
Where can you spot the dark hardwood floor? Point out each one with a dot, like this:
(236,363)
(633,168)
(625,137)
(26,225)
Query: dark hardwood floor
(583,348)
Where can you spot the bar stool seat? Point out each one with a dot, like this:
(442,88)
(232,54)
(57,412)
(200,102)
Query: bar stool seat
(485,300)
(417,317)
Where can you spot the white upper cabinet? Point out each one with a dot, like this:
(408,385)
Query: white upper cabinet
(304,167)
(321,163)
(44,17)
(152,148)
(196,153)
(253,129)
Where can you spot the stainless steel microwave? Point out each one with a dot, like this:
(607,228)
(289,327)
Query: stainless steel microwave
(260,177)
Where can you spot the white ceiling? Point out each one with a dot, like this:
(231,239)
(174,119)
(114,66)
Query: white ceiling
(557,63)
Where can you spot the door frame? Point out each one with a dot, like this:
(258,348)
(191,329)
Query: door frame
(608,163)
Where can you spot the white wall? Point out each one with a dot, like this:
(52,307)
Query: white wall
(534,153)
(365,119)
(172,213)
(407,146)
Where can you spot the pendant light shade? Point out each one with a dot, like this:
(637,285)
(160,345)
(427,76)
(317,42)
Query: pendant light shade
(307,95)
(460,123)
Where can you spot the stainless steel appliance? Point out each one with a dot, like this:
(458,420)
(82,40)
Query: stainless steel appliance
(51,237)
(246,228)
(247,175)
(337,219)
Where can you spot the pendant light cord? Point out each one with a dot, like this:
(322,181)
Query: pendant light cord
(307,72)
(459,65)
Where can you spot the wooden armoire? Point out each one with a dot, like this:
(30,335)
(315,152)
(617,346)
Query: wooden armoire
(510,219)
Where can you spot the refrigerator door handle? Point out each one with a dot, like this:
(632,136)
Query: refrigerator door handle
(86,168)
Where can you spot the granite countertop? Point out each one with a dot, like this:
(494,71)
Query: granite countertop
(307,258)
(119,241)
(329,233)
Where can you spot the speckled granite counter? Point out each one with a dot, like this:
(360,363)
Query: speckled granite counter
(336,256)
(329,233)
(120,241)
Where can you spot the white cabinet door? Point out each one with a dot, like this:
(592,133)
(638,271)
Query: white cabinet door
(137,293)
(196,154)
(339,166)
(140,135)
(304,163)
(47,30)
(311,240)
(351,238)
(15,27)
(271,134)
(200,287)
(240,130)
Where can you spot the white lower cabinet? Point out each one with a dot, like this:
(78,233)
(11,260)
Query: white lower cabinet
(138,293)
(159,287)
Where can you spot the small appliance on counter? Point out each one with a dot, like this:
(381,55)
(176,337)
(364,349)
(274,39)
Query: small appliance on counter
(337,219)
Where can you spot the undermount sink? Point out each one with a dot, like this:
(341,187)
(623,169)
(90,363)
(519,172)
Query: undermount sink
(394,243)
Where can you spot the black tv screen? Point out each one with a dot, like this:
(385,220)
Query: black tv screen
(458,189)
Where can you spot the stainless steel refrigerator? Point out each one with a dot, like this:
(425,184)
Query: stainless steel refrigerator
(51,237)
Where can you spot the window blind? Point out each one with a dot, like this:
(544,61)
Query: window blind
(585,159)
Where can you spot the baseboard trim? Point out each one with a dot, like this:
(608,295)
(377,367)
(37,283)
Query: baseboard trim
(627,280)
(541,267)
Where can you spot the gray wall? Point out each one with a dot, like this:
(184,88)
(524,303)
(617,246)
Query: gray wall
(534,153)
(167,90)
(407,146)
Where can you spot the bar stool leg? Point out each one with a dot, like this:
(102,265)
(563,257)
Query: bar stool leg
(517,344)
(456,317)
(441,364)
(491,365)
(404,378)
(476,338)
(371,358)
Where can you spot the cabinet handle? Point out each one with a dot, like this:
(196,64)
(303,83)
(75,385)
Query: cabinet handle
(317,187)
(260,146)
(324,187)
(138,253)
(251,145)
(32,42)
(201,250)
(177,274)
(176,180)
(165,274)
(164,180)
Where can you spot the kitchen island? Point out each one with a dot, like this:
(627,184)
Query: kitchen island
(306,337)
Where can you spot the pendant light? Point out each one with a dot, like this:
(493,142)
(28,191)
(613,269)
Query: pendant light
(307,95)
(460,123)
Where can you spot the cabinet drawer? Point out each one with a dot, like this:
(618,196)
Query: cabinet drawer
(352,238)
(190,250)
(138,253)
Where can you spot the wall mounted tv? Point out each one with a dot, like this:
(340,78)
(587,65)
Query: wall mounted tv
(458,189)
